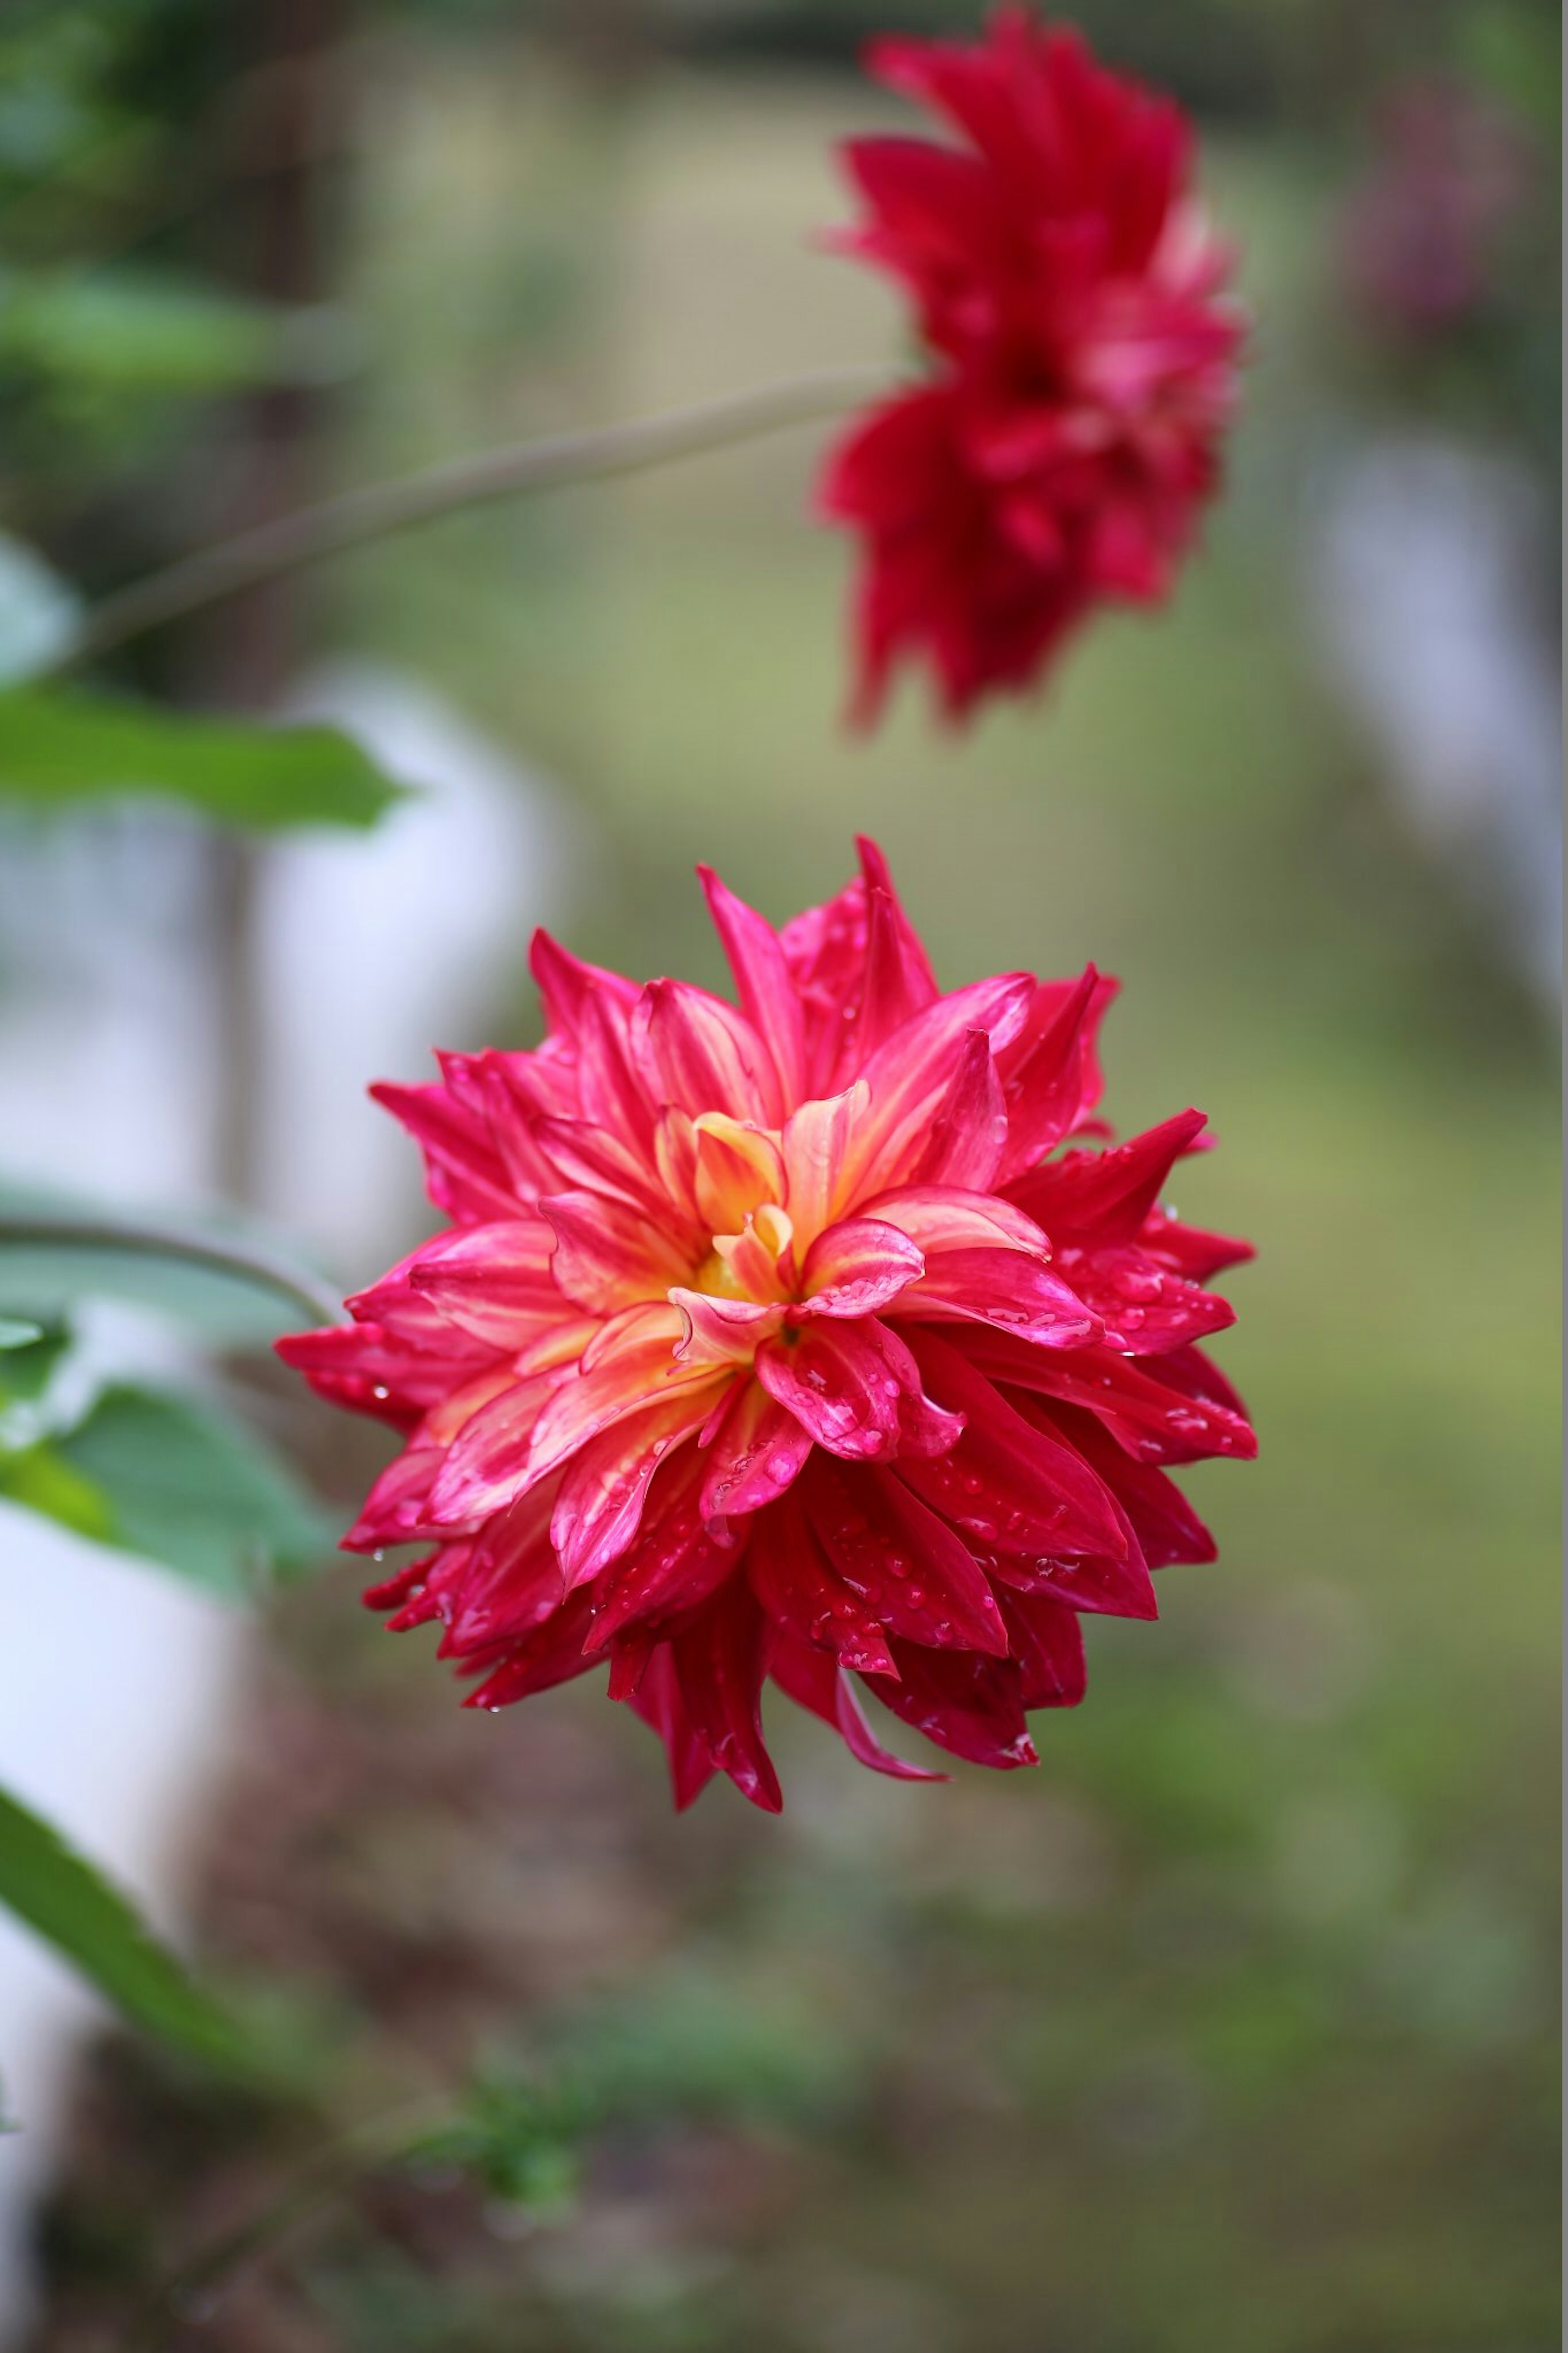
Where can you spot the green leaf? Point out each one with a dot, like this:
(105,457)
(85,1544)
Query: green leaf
(60,748)
(229,1278)
(135,332)
(45,1883)
(189,1487)
(35,1477)
(27,1362)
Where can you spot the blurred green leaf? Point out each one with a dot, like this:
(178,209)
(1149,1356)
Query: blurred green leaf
(135,331)
(188,1486)
(222,1298)
(45,1883)
(36,1478)
(30,1357)
(58,749)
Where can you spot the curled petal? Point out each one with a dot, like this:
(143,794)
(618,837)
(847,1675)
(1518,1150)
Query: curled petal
(718,1331)
(969,1134)
(857,1267)
(843,1383)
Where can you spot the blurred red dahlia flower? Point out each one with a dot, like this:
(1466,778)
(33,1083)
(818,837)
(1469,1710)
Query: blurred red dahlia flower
(1068,293)
(769,1342)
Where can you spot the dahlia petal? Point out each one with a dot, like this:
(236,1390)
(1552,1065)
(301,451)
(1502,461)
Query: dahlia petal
(969,1134)
(589,1402)
(762,982)
(1047,1642)
(609,1088)
(1107,1197)
(896,983)
(1167,1529)
(464,1173)
(678,1561)
(738,1168)
(1006,1288)
(816,1682)
(394,1512)
(938,1218)
(1190,1252)
(599,1509)
(857,1267)
(817,1138)
(487,1462)
(1145,1311)
(365,1368)
(512,1580)
(720,1662)
(912,1570)
(719,1331)
(493,1281)
(696,1051)
(658,1702)
(757,1451)
(1046,1092)
(578,1154)
(552,1655)
(801,1598)
(1145,1410)
(910,1072)
(970,1705)
(568,987)
(1007,1486)
(842,1383)
(607,1255)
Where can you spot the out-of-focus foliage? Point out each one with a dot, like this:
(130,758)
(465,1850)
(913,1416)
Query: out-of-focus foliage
(58,747)
(68,1903)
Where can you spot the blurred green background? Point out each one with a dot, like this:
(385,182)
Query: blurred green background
(1232,2029)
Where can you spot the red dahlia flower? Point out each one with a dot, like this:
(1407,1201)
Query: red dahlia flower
(770,1341)
(1068,293)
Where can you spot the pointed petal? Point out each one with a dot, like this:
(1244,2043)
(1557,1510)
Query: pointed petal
(969,1134)
(971,1705)
(1105,1196)
(800,1593)
(677,1562)
(552,1655)
(818,1140)
(696,1051)
(763,983)
(1047,1642)
(658,1702)
(1007,1486)
(816,1682)
(911,1570)
(720,1662)
(493,1281)
(1005,1288)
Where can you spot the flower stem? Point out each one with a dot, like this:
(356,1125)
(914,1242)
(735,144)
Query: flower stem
(243,1262)
(358,517)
